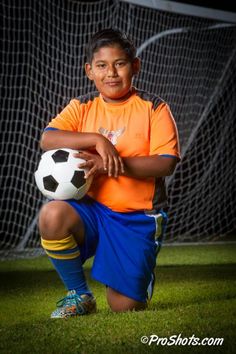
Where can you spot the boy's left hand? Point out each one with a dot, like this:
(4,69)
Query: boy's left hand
(94,163)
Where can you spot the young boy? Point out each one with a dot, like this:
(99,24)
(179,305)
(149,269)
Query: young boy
(129,141)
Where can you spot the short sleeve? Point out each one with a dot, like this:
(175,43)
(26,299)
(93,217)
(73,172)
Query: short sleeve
(70,117)
(164,138)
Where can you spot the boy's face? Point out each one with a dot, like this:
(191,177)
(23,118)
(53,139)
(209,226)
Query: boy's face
(112,73)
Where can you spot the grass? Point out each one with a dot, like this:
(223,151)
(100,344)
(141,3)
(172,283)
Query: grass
(195,294)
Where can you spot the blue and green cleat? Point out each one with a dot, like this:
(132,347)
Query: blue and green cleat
(74,305)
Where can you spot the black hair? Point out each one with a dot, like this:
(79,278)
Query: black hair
(109,37)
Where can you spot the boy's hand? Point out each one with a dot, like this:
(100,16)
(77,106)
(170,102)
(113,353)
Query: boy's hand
(112,162)
(93,162)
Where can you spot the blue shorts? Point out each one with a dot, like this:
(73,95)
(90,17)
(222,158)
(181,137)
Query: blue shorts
(125,245)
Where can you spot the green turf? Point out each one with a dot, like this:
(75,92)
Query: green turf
(195,294)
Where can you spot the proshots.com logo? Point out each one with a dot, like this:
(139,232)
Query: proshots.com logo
(178,340)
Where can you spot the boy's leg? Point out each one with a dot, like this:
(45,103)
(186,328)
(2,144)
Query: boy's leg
(62,233)
(125,257)
(121,303)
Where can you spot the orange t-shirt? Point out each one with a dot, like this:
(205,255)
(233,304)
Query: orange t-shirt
(141,126)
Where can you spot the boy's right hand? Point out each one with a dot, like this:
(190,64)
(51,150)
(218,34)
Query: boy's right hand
(112,162)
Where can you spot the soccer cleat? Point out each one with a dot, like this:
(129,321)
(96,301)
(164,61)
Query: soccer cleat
(74,305)
(150,288)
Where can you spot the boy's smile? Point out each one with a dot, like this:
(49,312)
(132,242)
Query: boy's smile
(112,73)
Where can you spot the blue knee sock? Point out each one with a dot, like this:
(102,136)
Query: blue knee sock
(65,256)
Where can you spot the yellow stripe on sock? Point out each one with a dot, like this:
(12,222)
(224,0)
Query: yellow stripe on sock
(59,245)
(63,256)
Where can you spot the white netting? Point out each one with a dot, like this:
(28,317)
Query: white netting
(188,61)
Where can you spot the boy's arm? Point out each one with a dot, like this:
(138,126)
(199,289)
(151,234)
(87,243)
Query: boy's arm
(137,167)
(55,139)
(149,166)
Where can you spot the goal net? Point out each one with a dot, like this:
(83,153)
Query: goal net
(189,61)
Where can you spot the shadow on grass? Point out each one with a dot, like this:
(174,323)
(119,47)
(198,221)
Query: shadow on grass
(196,272)
(30,279)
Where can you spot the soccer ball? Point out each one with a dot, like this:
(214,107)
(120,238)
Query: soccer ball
(59,177)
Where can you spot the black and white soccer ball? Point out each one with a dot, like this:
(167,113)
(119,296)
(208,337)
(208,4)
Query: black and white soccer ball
(59,177)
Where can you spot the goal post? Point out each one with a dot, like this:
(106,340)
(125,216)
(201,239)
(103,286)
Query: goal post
(188,60)
(221,11)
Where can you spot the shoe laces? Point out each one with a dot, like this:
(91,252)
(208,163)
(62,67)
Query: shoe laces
(72,298)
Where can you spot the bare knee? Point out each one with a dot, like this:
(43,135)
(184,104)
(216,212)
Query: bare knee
(121,303)
(57,219)
(51,219)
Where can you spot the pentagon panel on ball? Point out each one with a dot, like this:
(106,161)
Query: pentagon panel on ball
(59,177)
